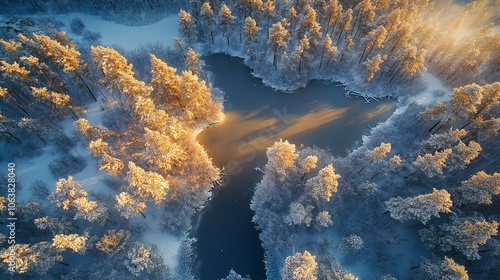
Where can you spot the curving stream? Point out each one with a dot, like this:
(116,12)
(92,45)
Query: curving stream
(256,116)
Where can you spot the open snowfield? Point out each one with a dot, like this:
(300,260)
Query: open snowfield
(126,37)
(428,96)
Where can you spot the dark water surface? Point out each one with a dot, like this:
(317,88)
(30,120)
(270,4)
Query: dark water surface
(256,116)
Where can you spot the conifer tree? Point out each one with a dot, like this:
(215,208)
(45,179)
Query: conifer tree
(373,66)
(308,163)
(324,185)
(208,20)
(422,207)
(466,234)
(250,32)
(166,84)
(128,205)
(300,266)
(226,22)
(113,241)
(444,269)
(63,53)
(146,184)
(280,157)
(37,258)
(193,62)
(74,242)
(278,37)
(478,189)
(187,27)
(432,165)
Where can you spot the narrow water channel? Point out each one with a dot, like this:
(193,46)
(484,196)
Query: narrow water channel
(256,116)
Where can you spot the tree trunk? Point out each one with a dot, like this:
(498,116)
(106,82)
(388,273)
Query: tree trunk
(340,35)
(86,86)
(63,263)
(432,127)
(13,136)
(362,54)
(275,58)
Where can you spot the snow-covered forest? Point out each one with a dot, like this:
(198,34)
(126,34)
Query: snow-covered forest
(103,173)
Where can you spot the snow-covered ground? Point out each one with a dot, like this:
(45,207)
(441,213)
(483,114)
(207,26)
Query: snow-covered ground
(126,37)
(37,168)
(429,96)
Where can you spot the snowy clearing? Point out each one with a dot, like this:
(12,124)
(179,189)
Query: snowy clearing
(428,96)
(126,37)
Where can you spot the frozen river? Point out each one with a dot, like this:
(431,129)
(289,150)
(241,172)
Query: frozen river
(256,116)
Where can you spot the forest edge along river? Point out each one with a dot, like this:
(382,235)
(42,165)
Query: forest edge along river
(257,116)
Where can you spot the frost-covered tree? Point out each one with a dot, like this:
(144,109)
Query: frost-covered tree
(366,189)
(422,207)
(301,55)
(113,241)
(207,20)
(63,52)
(118,74)
(465,235)
(199,105)
(323,220)
(54,99)
(111,165)
(308,163)
(373,65)
(55,225)
(128,205)
(75,242)
(374,39)
(351,244)
(301,266)
(37,258)
(299,215)
(166,84)
(161,150)
(187,27)
(90,132)
(470,107)
(280,157)
(333,15)
(478,189)
(432,165)
(345,23)
(324,184)
(462,154)
(443,140)
(278,37)
(14,69)
(193,62)
(226,22)
(146,184)
(394,162)
(330,50)
(141,257)
(251,31)
(98,147)
(444,269)
(378,152)
(70,194)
